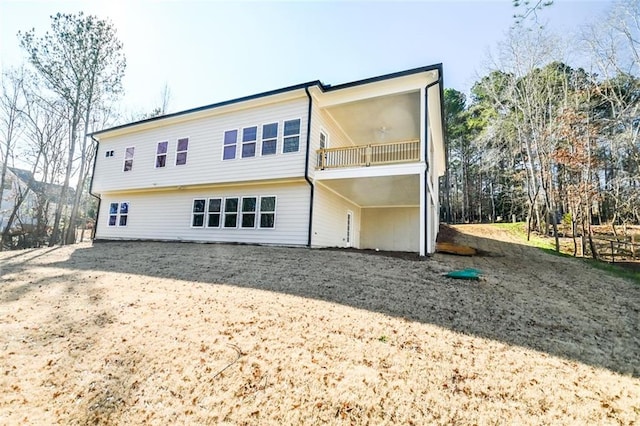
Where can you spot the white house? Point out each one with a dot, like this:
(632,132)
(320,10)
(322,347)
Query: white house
(352,165)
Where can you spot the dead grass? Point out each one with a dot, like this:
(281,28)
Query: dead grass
(152,333)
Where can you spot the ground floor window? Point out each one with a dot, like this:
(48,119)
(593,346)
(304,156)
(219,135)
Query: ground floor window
(231,212)
(197,219)
(214,211)
(234,212)
(118,214)
(268,212)
(249,206)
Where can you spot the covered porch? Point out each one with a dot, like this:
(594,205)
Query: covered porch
(374,212)
(376,163)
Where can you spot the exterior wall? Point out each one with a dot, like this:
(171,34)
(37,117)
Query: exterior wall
(392,228)
(204,157)
(166,215)
(330,219)
(322,121)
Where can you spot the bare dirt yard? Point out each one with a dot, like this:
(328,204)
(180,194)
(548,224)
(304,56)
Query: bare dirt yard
(175,333)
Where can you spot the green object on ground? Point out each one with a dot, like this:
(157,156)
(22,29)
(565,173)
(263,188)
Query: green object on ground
(465,274)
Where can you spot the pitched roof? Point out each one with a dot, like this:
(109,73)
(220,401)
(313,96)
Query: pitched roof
(323,87)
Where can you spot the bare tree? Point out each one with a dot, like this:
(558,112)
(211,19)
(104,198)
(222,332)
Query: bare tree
(81,61)
(12,101)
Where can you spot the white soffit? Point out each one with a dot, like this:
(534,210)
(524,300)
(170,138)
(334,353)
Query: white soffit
(379,191)
(380,119)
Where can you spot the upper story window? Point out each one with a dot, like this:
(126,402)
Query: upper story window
(269,138)
(230,143)
(181,151)
(161,154)
(291,141)
(249,139)
(128,159)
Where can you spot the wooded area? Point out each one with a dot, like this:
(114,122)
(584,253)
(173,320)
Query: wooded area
(47,109)
(549,140)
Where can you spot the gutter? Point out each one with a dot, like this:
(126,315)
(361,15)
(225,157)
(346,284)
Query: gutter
(93,173)
(306,167)
(426,151)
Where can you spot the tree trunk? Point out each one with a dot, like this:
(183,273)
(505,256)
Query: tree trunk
(65,186)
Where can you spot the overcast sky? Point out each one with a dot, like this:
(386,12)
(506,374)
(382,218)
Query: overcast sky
(209,51)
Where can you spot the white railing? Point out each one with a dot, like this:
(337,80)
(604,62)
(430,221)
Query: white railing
(369,155)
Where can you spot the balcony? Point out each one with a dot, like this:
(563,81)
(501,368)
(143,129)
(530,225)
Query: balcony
(369,155)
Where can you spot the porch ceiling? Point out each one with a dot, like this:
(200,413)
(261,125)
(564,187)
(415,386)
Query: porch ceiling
(379,191)
(381,119)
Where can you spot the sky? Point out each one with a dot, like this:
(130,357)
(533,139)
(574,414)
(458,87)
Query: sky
(211,51)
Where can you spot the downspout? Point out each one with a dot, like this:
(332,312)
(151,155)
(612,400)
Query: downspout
(426,157)
(93,173)
(306,166)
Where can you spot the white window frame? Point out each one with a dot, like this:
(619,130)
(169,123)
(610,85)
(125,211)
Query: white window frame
(220,213)
(203,213)
(326,138)
(186,151)
(259,213)
(290,136)
(237,213)
(254,142)
(235,155)
(118,214)
(254,212)
(262,138)
(131,159)
(166,155)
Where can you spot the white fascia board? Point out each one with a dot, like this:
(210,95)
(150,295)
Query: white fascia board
(375,89)
(435,125)
(373,171)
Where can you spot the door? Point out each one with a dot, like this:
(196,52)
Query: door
(324,143)
(349,237)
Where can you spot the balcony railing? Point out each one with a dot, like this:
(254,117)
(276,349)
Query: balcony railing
(369,155)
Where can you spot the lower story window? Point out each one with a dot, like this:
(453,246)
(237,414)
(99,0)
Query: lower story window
(268,212)
(197,219)
(249,205)
(214,211)
(118,214)
(231,212)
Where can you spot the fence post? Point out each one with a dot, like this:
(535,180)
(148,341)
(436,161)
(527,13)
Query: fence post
(613,258)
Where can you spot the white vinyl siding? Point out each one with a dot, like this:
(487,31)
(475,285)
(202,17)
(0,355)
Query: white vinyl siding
(205,164)
(175,222)
(330,220)
(321,121)
(395,229)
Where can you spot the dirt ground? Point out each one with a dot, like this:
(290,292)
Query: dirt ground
(176,333)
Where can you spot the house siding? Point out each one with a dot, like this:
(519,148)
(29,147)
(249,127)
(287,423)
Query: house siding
(322,121)
(393,228)
(166,215)
(204,157)
(330,220)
